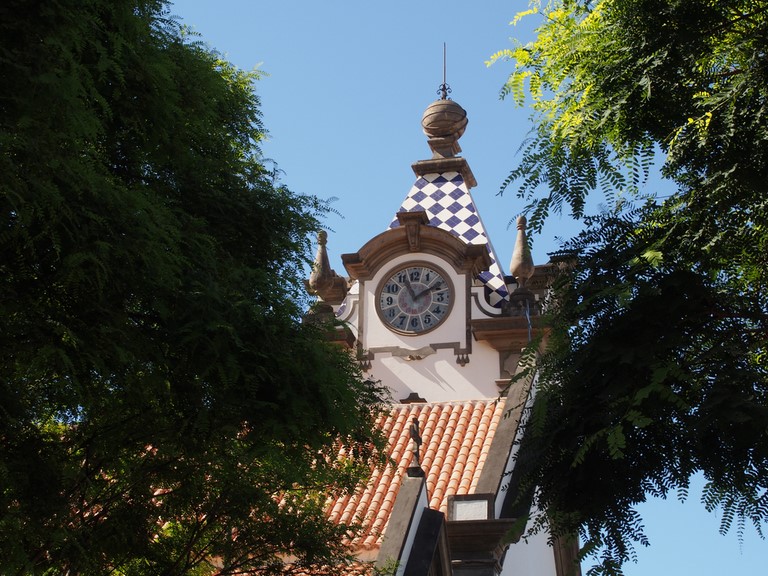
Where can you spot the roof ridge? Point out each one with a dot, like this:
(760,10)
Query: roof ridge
(398,405)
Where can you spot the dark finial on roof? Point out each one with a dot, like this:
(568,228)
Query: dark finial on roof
(416,438)
(444,89)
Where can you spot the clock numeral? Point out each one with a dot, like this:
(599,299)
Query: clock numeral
(415,275)
(401,320)
(427,320)
(391,313)
(437,310)
(392,288)
(389,300)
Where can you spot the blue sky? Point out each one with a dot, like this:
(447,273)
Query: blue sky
(345,86)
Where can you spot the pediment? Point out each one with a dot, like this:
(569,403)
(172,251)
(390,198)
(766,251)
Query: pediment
(415,235)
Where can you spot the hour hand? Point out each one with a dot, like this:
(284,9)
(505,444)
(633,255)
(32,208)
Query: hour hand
(409,287)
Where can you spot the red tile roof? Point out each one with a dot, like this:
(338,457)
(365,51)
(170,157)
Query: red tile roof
(456,438)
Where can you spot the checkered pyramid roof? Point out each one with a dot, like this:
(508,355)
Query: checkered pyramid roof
(448,203)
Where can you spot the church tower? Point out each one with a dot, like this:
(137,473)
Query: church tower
(428,311)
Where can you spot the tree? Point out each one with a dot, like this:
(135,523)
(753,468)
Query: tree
(163,409)
(656,367)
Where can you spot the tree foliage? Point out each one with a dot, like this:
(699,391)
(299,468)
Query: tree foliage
(162,408)
(656,368)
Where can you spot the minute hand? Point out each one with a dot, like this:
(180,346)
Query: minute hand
(420,294)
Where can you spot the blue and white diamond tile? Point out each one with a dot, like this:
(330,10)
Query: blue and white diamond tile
(448,204)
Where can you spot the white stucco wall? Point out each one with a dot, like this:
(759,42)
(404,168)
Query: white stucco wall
(533,557)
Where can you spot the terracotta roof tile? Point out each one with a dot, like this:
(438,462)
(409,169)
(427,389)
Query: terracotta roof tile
(456,437)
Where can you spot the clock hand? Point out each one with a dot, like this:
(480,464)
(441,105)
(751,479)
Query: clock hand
(420,294)
(408,286)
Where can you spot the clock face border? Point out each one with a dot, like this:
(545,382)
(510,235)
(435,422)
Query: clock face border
(397,269)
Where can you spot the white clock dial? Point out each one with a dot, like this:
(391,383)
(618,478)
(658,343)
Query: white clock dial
(414,299)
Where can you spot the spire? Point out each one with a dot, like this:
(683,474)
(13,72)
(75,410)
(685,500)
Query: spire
(521,264)
(444,89)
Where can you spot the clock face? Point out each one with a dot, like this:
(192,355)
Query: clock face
(414,299)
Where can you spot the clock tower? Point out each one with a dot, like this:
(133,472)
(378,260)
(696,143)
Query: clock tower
(418,289)
(429,313)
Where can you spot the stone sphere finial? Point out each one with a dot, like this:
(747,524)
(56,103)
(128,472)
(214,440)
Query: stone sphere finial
(444,119)
(444,122)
